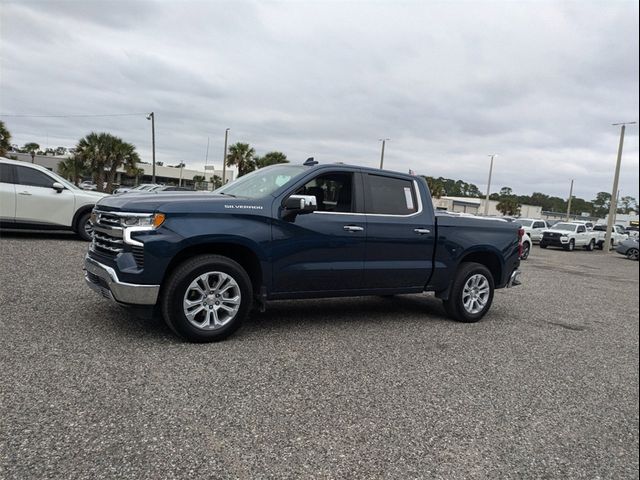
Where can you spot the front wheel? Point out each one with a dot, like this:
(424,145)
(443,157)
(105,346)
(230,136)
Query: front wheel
(84,227)
(471,293)
(543,245)
(572,245)
(206,298)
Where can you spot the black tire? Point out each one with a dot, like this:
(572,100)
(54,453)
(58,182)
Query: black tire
(632,254)
(84,227)
(526,250)
(572,245)
(176,287)
(543,245)
(454,305)
(600,245)
(591,246)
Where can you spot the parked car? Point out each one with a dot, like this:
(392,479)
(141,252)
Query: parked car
(144,187)
(568,236)
(632,231)
(629,248)
(88,185)
(533,227)
(294,231)
(526,246)
(586,223)
(33,197)
(617,235)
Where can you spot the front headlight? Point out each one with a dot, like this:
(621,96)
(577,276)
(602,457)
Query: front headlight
(152,220)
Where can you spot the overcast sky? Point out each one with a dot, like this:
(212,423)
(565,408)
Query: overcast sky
(538,83)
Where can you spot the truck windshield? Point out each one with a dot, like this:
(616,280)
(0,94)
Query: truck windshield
(262,182)
(569,227)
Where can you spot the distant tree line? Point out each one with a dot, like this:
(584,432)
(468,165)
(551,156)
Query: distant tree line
(509,203)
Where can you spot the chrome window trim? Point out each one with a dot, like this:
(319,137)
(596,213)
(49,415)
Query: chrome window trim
(417,212)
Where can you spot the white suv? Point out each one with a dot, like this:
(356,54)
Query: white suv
(33,197)
(533,227)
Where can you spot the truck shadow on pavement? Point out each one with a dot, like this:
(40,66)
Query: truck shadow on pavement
(308,314)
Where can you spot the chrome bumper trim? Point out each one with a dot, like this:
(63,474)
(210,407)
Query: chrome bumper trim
(104,280)
(514,280)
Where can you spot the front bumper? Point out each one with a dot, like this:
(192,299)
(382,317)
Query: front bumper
(555,241)
(104,280)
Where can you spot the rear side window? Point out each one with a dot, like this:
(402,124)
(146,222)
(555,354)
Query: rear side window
(390,196)
(33,177)
(6,173)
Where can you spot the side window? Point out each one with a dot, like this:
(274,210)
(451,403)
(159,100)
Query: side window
(538,225)
(333,191)
(390,196)
(6,173)
(582,229)
(33,177)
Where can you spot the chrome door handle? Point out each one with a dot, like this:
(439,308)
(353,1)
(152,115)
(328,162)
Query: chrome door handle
(353,228)
(422,231)
(24,193)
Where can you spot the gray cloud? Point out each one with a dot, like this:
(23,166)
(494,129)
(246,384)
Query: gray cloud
(537,82)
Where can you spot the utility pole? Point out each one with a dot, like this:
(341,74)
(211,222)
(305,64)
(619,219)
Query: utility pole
(613,207)
(224,158)
(569,202)
(486,201)
(152,117)
(181,167)
(384,141)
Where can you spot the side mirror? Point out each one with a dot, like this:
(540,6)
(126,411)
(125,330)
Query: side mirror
(301,204)
(57,186)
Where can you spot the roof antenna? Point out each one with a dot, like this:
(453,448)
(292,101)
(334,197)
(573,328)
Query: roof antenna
(310,162)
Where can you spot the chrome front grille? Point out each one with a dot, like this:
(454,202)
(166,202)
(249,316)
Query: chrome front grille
(107,244)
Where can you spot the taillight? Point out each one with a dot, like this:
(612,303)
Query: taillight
(520,237)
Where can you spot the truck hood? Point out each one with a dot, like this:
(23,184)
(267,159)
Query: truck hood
(553,230)
(180,202)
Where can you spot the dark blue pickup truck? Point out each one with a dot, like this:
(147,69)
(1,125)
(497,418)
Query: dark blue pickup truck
(293,231)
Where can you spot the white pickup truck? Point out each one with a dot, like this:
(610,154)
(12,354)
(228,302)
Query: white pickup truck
(618,235)
(568,236)
(533,227)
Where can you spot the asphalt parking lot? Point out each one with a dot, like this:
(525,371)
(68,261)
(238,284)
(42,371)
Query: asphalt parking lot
(546,386)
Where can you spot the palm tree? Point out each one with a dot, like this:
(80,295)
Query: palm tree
(31,147)
(105,153)
(73,168)
(5,139)
(271,158)
(123,154)
(241,155)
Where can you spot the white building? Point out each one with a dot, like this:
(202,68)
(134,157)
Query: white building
(475,206)
(164,174)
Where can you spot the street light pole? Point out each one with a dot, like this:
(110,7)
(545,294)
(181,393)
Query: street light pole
(224,158)
(384,141)
(486,200)
(569,202)
(613,207)
(152,117)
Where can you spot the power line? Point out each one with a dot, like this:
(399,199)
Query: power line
(29,115)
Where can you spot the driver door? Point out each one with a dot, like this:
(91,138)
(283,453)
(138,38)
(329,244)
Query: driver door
(322,251)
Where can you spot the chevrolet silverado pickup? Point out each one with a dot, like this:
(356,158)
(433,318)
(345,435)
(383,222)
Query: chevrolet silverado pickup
(203,260)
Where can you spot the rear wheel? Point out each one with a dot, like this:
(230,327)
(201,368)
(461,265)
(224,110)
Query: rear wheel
(206,298)
(632,254)
(526,250)
(471,293)
(591,246)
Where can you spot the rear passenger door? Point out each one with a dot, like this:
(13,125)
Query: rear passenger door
(400,233)
(7,194)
